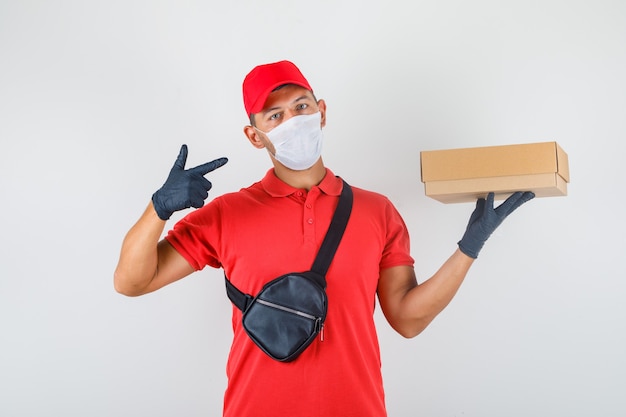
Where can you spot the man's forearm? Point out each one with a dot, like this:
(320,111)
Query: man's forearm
(425,301)
(138,261)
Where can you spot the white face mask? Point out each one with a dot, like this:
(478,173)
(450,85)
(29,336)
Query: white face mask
(298,141)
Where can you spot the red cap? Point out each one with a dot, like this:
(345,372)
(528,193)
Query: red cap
(263,79)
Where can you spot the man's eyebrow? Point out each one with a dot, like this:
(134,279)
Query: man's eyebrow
(303,97)
(271,109)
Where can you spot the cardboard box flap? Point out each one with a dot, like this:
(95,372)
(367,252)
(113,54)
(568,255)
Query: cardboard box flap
(494,161)
(563,163)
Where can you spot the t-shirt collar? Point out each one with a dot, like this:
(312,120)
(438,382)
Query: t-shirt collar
(330,185)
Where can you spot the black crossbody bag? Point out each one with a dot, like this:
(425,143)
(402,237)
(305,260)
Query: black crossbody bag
(289,311)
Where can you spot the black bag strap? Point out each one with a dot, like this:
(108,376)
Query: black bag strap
(335,232)
(324,256)
(239,299)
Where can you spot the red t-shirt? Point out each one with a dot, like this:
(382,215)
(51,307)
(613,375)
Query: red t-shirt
(269,229)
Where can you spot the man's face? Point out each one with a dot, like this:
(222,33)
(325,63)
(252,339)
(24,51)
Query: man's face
(280,106)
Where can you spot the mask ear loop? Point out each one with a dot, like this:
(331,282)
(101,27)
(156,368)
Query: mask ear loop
(259,130)
(267,148)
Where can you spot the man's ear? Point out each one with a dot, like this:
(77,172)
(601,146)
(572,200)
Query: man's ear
(321,104)
(253,137)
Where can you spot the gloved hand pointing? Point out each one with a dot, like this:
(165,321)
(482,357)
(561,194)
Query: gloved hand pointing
(485,219)
(184,188)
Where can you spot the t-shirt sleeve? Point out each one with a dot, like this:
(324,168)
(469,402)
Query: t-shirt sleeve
(197,236)
(397,250)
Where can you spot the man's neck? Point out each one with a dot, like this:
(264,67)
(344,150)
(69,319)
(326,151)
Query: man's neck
(306,179)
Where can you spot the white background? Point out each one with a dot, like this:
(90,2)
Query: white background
(97,97)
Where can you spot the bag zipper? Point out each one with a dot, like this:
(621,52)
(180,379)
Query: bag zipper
(319,326)
(287,309)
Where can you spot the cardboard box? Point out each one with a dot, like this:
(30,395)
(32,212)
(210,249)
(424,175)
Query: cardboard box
(463,175)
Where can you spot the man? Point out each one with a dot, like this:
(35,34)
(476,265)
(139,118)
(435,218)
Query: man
(276,226)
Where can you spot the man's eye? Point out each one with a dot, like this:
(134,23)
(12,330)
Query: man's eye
(274,116)
(302,106)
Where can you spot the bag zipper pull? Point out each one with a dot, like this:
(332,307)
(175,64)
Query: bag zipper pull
(320,325)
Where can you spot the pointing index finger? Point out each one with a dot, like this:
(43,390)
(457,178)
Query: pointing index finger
(209,166)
